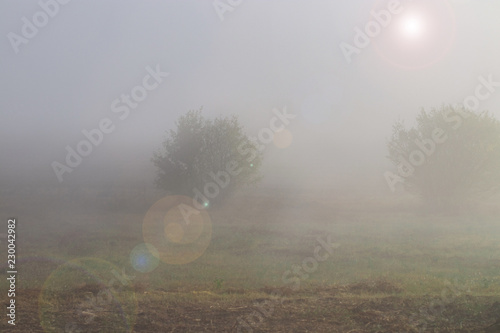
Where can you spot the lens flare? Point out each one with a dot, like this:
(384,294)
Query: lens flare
(282,139)
(178,231)
(144,258)
(85,290)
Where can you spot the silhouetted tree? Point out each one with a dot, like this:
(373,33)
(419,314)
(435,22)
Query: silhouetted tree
(450,156)
(201,153)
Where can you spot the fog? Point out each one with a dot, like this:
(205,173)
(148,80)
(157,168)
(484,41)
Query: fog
(90,89)
(262,56)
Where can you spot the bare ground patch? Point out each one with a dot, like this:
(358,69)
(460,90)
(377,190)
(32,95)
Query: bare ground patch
(321,310)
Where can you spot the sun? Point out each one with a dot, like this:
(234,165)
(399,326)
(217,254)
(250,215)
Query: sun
(412,26)
(420,36)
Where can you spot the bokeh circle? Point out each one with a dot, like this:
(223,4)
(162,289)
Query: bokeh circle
(283,139)
(144,258)
(177,230)
(87,294)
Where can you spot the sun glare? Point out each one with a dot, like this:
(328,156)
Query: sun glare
(412,27)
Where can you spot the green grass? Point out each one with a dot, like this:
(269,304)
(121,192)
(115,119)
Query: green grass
(251,249)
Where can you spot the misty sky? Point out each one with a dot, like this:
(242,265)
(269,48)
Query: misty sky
(263,55)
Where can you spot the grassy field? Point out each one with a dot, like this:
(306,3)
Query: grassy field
(391,268)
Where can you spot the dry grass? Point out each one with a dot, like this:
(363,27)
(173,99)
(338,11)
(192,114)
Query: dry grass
(390,271)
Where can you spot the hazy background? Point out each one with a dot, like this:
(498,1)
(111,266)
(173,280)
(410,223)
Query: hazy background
(263,55)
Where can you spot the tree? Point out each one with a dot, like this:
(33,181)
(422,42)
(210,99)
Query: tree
(450,156)
(207,157)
